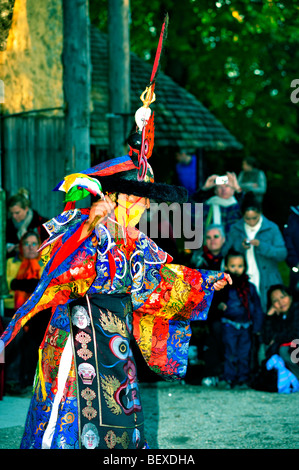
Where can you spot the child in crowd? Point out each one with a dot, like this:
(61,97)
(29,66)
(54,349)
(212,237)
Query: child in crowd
(242,317)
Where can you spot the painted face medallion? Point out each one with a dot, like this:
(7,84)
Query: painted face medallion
(80,317)
(90,436)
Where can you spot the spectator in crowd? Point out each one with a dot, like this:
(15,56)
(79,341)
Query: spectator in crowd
(281,327)
(210,257)
(23,275)
(291,237)
(186,170)
(222,207)
(23,272)
(263,244)
(22,219)
(252,179)
(242,317)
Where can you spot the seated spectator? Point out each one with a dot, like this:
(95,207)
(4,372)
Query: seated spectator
(291,238)
(252,179)
(222,208)
(286,381)
(262,243)
(242,317)
(23,275)
(281,327)
(25,271)
(22,219)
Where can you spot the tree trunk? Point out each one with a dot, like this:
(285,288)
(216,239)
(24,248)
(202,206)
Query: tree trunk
(77,83)
(120,120)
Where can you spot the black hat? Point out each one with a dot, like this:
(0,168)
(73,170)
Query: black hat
(127,182)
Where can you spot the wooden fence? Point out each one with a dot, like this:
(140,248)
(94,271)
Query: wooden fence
(33,157)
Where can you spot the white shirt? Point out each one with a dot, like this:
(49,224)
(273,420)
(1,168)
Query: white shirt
(252,271)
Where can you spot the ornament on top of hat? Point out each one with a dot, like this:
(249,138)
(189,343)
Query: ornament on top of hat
(142,140)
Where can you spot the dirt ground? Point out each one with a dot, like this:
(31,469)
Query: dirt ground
(195,417)
(188,416)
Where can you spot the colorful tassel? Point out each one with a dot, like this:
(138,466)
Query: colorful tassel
(77,186)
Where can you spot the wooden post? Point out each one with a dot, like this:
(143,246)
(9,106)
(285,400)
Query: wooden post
(77,83)
(3,217)
(119,76)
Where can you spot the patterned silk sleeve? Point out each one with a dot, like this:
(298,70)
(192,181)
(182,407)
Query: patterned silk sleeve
(161,325)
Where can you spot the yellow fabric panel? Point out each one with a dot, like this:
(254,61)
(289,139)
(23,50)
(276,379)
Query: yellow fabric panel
(146,328)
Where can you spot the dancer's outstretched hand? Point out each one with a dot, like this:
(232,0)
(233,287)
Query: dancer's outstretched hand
(218,285)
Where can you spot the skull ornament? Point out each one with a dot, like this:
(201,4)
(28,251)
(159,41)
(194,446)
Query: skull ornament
(87,373)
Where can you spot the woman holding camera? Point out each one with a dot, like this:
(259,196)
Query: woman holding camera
(263,244)
(220,196)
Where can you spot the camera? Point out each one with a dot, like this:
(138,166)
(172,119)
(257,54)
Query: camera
(221,180)
(247,242)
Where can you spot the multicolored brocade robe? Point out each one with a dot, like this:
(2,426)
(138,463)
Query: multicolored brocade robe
(164,299)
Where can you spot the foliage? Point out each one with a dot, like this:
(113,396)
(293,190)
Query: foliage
(6,8)
(239,59)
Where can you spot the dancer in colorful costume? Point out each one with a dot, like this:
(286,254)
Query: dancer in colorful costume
(106,281)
